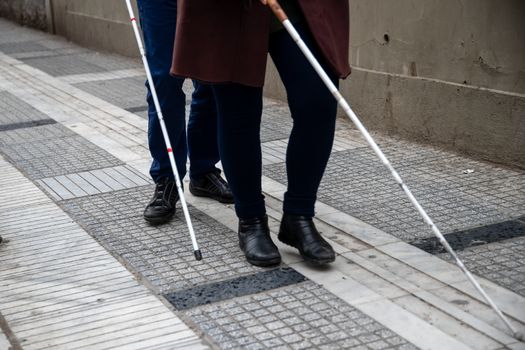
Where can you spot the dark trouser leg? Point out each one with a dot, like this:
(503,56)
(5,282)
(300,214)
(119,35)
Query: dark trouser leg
(313,110)
(158,21)
(239,111)
(202,132)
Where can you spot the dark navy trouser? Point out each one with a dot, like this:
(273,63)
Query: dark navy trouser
(158,22)
(313,111)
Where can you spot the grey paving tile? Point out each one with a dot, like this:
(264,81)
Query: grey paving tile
(276,122)
(34,134)
(41,155)
(161,254)
(63,65)
(357,184)
(14,110)
(19,47)
(127,93)
(344,327)
(501,262)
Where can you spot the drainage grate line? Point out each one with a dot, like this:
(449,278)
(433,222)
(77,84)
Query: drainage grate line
(474,237)
(233,288)
(25,125)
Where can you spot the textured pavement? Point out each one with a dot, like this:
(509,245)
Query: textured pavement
(80,268)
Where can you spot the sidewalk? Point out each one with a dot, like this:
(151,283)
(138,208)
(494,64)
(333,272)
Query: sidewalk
(80,269)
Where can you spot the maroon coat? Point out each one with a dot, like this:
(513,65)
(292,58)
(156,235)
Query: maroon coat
(221,41)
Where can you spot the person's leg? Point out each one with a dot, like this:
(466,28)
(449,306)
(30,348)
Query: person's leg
(239,121)
(205,178)
(313,110)
(158,20)
(203,149)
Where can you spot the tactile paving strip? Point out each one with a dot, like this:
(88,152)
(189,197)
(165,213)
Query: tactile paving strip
(19,47)
(276,122)
(356,183)
(93,182)
(303,316)
(63,65)
(125,93)
(50,151)
(13,110)
(34,134)
(501,262)
(162,254)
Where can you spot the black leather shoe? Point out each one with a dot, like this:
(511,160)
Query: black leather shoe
(161,208)
(300,232)
(212,185)
(255,242)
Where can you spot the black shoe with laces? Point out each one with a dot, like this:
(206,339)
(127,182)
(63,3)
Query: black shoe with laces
(161,208)
(212,185)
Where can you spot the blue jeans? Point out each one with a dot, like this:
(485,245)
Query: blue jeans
(158,21)
(313,110)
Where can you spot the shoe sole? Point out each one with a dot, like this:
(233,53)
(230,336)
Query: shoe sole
(159,221)
(265,263)
(317,262)
(201,193)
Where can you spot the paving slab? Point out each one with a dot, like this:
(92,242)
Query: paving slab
(356,183)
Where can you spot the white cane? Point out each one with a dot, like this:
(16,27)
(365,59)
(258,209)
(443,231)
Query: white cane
(196,249)
(281,15)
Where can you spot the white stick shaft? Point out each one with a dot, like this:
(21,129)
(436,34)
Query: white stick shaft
(346,107)
(162,126)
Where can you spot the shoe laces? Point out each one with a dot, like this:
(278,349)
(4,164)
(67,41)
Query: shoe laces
(216,179)
(163,191)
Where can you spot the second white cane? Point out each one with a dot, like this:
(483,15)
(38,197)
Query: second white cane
(169,149)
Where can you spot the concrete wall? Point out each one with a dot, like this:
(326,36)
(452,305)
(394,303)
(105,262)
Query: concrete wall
(102,24)
(27,12)
(448,72)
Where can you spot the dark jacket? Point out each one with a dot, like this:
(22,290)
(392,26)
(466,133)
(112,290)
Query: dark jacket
(221,41)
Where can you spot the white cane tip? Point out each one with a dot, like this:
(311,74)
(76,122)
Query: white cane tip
(198,255)
(519,336)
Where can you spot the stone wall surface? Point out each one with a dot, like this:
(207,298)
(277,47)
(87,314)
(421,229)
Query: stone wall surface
(27,12)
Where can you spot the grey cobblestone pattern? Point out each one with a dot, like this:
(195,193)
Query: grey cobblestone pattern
(161,254)
(63,65)
(303,316)
(501,262)
(125,93)
(20,47)
(37,133)
(14,110)
(52,150)
(356,183)
(276,122)
(128,93)
(91,62)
